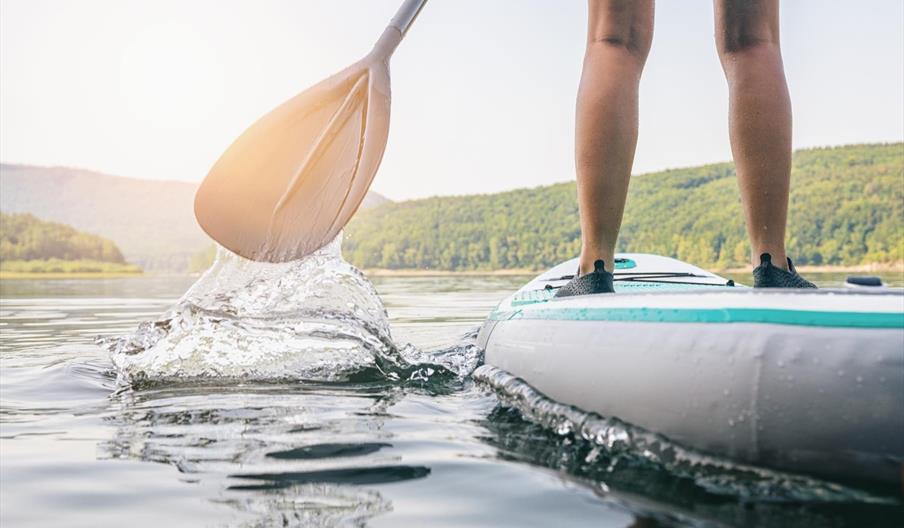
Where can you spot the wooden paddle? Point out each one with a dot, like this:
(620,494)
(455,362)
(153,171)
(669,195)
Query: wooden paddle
(290,183)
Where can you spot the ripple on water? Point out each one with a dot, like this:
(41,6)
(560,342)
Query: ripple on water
(328,451)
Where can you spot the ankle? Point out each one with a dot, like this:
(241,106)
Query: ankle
(587,263)
(778,259)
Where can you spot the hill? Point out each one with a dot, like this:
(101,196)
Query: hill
(28,244)
(846,208)
(151,221)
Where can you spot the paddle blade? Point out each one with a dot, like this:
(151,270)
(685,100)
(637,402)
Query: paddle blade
(291,182)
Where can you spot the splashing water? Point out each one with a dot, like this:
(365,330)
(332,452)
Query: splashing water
(610,443)
(317,318)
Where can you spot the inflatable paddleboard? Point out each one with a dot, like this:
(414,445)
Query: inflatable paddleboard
(798,380)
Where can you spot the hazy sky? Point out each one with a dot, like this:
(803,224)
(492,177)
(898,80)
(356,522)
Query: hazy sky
(483,91)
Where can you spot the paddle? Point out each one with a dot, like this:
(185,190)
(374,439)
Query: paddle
(290,183)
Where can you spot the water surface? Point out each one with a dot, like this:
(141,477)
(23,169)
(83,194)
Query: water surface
(79,449)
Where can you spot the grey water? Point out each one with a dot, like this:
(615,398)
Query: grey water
(334,416)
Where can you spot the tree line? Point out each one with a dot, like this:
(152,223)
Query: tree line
(24,237)
(846,208)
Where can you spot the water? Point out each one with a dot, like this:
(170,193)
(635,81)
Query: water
(335,414)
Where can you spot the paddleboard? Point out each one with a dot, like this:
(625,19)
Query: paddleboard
(800,380)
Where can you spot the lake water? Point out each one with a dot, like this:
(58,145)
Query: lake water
(386,448)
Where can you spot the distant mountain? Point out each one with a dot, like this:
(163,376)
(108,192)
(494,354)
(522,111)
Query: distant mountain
(151,221)
(846,208)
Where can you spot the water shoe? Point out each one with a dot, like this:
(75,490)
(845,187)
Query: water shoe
(597,281)
(766,275)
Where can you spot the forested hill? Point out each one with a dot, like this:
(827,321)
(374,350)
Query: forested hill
(24,237)
(152,221)
(847,207)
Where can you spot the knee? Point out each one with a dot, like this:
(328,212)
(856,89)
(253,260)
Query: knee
(739,44)
(620,30)
(746,27)
(632,44)
(747,56)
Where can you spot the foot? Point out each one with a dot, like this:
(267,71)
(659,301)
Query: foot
(597,281)
(767,275)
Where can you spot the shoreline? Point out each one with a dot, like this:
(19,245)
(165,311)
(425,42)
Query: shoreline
(882,267)
(408,272)
(32,275)
(887,267)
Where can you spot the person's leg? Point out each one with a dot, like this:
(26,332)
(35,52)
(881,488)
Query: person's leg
(747,38)
(618,41)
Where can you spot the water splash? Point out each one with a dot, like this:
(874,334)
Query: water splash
(317,318)
(608,444)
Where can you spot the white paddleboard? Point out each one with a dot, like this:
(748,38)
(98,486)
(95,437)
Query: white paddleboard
(805,380)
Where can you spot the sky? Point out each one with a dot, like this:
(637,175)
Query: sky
(483,91)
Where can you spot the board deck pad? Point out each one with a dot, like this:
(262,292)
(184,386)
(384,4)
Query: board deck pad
(661,289)
(633,286)
(634,273)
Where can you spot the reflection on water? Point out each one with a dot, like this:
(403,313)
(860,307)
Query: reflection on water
(314,505)
(270,449)
(681,499)
(414,443)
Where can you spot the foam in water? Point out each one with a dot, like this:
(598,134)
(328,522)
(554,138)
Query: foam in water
(611,441)
(317,318)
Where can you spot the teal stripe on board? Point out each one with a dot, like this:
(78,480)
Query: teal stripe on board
(711,315)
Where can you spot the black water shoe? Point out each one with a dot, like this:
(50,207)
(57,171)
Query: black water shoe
(766,275)
(597,281)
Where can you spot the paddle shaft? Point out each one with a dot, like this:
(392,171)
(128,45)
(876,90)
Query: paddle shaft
(406,14)
(396,29)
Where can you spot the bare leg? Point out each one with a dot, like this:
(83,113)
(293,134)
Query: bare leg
(618,41)
(747,37)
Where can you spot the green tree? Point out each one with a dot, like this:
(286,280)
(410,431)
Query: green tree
(846,207)
(24,238)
